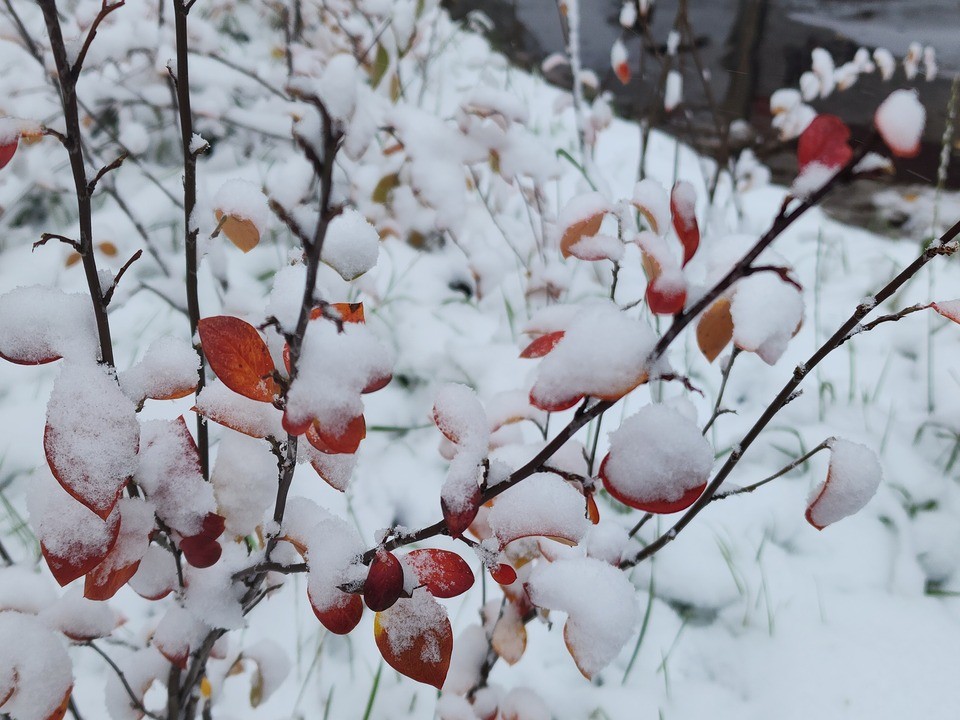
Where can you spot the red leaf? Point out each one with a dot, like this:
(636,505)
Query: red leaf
(202,550)
(623,72)
(299,428)
(123,560)
(61,709)
(658,507)
(340,619)
(346,443)
(32,361)
(665,301)
(458,521)
(825,141)
(377,384)
(415,638)
(553,404)
(384,583)
(445,574)
(77,551)
(542,345)
(683,208)
(239,357)
(503,574)
(7,151)
(950,309)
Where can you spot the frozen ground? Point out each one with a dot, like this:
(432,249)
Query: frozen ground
(751,613)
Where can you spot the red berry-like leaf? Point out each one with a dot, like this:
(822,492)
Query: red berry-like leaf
(542,345)
(239,356)
(665,301)
(340,619)
(415,638)
(202,550)
(384,583)
(683,207)
(459,520)
(445,574)
(503,574)
(82,544)
(660,507)
(825,141)
(7,151)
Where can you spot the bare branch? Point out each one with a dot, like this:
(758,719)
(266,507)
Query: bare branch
(135,702)
(105,9)
(108,295)
(92,185)
(47,237)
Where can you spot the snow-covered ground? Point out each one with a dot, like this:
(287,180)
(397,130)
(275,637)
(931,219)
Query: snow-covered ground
(750,613)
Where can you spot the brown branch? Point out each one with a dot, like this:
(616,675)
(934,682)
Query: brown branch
(108,295)
(788,392)
(92,185)
(727,369)
(134,700)
(105,10)
(783,471)
(892,317)
(47,237)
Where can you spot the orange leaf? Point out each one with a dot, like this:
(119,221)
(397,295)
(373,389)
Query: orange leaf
(415,638)
(683,201)
(240,231)
(345,443)
(503,574)
(61,709)
(239,356)
(444,573)
(509,638)
(542,345)
(588,227)
(715,329)
(340,619)
(81,554)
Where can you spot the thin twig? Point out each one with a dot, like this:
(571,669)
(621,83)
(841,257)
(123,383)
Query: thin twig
(105,10)
(108,295)
(134,700)
(92,185)
(783,471)
(727,368)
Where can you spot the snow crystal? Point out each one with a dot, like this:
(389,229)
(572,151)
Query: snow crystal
(418,618)
(169,472)
(35,663)
(156,575)
(657,454)
(852,480)
(334,369)
(650,198)
(169,366)
(25,590)
(543,504)
(352,245)
(599,600)
(244,482)
(673,92)
(602,354)
(900,120)
(40,323)
(243,200)
(766,313)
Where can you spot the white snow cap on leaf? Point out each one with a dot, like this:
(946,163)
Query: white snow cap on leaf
(657,455)
(244,482)
(25,590)
(618,53)
(900,120)
(885,62)
(35,671)
(469,652)
(419,618)
(766,313)
(334,369)
(352,245)
(603,354)
(786,99)
(273,666)
(460,416)
(809,86)
(243,200)
(581,209)
(628,14)
(823,68)
(218,403)
(168,368)
(792,123)
(463,479)
(140,669)
(852,480)
(78,618)
(930,68)
(333,548)
(673,92)
(523,704)
(38,324)
(156,575)
(212,596)
(600,602)
(911,61)
(650,198)
(337,86)
(543,504)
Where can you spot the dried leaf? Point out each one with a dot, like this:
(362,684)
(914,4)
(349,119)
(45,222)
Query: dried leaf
(240,231)
(715,329)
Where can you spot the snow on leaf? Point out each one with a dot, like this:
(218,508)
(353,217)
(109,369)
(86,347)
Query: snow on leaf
(445,574)
(123,560)
(673,91)
(339,618)
(80,619)
(239,356)
(36,674)
(619,61)
(658,461)
(333,546)
(25,590)
(272,668)
(509,637)
(352,245)
(602,354)
(335,469)
(8,149)
(715,329)
(651,200)
(459,415)
(177,633)
(73,538)
(244,482)
(242,209)
(766,313)
(581,217)
(141,669)
(885,62)
(40,324)
(91,436)
(683,207)
(255,419)
(169,472)
(543,504)
(156,575)
(415,638)
(949,309)
(900,120)
(542,345)
(168,371)
(666,292)
(853,477)
(460,495)
(600,603)
(523,704)
(821,62)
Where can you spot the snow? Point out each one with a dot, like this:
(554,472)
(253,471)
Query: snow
(885,62)
(352,245)
(243,200)
(766,313)
(78,618)
(244,482)
(523,704)
(900,120)
(168,368)
(598,622)
(821,62)
(657,454)
(24,590)
(852,481)
(415,620)
(273,665)
(41,323)
(673,91)
(337,87)
(37,663)
(218,403)
(651,199)
(460,416)
(332,549)
(543,504)
(156,575)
